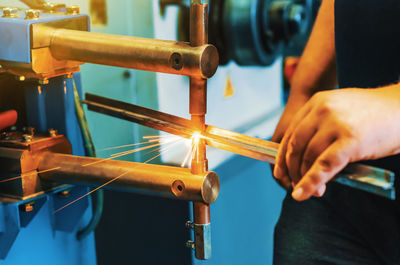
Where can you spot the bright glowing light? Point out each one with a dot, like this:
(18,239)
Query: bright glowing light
(196,138)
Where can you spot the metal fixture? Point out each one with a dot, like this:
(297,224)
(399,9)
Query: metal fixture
(135,177)
(73,10)
(32,14)
(371,179)
(53,132)
(57,46)
(10,12)
(35,166)
(131,52)
(198,110)
(28,207)
(27,138)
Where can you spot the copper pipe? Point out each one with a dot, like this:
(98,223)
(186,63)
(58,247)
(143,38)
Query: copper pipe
(198,110)
(163,181)
(129,52)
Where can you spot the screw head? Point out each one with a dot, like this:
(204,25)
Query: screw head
(53,132)
(10,12)
(64,194)
(28,207)
(43,81)
(190,244)
(27,138)
(31,14)
(4,136)
(73,10)
(49,7)
(189,224)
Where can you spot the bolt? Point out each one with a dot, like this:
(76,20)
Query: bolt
(53,132)
(4,136)
(69,76)
(43,81)
(189,224)
(73,10)
(31,14)
(49,7)
(10,12)
(26,138)
(64,194)
(28,207)
(190,244)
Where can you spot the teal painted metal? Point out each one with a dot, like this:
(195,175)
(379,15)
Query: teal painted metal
(16,42)
(39,237)
(53,106)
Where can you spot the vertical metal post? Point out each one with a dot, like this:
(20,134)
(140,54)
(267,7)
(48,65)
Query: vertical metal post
(198,109)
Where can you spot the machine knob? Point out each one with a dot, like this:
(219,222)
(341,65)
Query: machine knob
(286,19)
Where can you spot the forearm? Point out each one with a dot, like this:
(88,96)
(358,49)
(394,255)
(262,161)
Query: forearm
(317,67)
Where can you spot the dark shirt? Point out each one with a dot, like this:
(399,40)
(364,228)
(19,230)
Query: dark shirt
(349,226)
(367,42)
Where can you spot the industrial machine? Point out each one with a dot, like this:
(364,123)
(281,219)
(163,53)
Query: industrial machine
(43,163)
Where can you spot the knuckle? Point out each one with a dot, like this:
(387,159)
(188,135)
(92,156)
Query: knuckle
(327,164)
(314,179)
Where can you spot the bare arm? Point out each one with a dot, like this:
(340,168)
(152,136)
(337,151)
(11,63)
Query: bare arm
(334,127)
(315,72)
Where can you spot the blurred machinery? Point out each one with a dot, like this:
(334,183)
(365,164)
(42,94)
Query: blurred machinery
(43,48)
(42,159)
(255,32)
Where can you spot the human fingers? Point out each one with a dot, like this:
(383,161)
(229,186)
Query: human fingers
(321,191)
(316,146)
(327,165)
(8,118)
(280,170)
(297,144)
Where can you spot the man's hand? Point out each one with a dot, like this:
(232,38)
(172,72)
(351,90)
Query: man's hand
(333,129)
(295,102)
(8,119)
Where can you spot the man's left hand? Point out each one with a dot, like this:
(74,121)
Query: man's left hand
(335,128)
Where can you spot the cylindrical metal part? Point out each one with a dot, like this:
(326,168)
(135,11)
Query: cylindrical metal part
(201,213)
(198,97)
(198,24)
(131,52)
(162,181)
(198,110)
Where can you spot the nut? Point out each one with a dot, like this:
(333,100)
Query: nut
(73,10)
(26,138)
(53,132)
(31,14)
(27,207)
(10,12)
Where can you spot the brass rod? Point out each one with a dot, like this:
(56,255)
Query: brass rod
(163,56)
(163,181)
(198,110)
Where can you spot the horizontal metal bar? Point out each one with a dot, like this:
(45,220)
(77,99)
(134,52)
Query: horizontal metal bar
(164,181)
(368,178)
(129,52)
